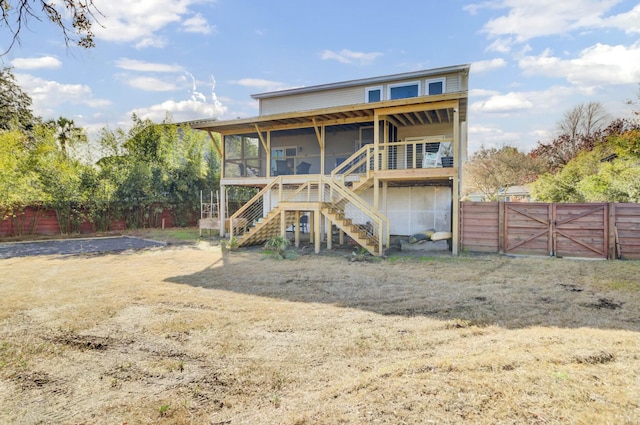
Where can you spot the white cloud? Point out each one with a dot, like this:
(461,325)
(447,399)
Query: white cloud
(600,64)
(490,137)
(260,84)
(196,107)
(627,21)
(507,103)
(482,93)
(540,102)
(151,84)
(36,63)
(198,24)
(529,19)
(136,65)
(488,65)
(47,95)
(180,111)
(347,56)
(138,21)
(157,42)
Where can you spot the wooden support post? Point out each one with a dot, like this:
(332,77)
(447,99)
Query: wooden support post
(376,193)
(283,223)
(501,231)
(297,229)
(613,239)
(312,227)
(329,234)
(223,209)
(457,180)
(316,221)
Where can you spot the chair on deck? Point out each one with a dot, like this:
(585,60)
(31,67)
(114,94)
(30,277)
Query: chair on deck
(304,223)
(303,168)
(282,168)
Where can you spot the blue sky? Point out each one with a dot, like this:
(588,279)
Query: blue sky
(532,60)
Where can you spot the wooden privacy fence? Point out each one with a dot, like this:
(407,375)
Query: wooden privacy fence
(597,230)
(38,221)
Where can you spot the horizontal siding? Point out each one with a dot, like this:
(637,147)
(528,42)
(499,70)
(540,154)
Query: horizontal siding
(337,97)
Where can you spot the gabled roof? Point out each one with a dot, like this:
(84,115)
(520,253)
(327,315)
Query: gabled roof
(366,81)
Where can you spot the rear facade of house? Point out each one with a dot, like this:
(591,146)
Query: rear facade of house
(367,159)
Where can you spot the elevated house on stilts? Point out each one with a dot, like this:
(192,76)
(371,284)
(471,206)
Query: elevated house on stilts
(368,158)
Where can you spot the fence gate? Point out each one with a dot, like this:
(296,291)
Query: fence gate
(580,230)
(562,230)
(527,228)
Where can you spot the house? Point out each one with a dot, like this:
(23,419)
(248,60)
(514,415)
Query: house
(366,158)
(510,194)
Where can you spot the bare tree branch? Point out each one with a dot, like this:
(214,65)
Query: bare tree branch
(75,20)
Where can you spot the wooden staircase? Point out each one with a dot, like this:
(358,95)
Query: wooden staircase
(360,234)
(363,184)
(267,228)
(332,197)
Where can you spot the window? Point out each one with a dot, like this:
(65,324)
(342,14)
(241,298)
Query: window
(242,156)
(283,160)
(404,90)
(373,94)
(435,86)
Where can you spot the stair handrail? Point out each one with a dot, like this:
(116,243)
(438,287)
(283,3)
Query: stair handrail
(381,221)
(250,202)
(361,155)
(303,186)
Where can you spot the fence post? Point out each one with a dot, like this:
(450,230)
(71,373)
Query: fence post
(612,239)
(501,222)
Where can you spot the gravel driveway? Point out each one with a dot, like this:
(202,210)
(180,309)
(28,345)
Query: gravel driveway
(75,246)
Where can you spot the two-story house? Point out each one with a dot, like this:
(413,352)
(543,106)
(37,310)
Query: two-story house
(365,158)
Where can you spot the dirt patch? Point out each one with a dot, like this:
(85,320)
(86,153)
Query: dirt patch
(184,335)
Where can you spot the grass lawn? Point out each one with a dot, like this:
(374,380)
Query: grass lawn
(186,335)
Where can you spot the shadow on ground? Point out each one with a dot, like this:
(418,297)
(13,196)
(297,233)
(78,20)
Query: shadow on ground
(487,290)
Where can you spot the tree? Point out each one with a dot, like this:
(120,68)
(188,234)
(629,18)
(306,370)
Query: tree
(492,171)
(15,104)
(67,134)
(16,15)
(577,131)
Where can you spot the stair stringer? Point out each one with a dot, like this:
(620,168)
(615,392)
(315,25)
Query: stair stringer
(268,228)
(355,232)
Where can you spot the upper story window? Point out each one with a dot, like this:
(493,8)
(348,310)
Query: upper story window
(404,90)
(373,94)
(435,86)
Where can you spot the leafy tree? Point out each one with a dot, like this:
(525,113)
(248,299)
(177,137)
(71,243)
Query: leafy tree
(67,134)
(18,182)
(492,170)
(615,181)
(579,130)
(15,104)
(599,175)
(16,15)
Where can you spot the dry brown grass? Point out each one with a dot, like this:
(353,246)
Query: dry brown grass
(182,335)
